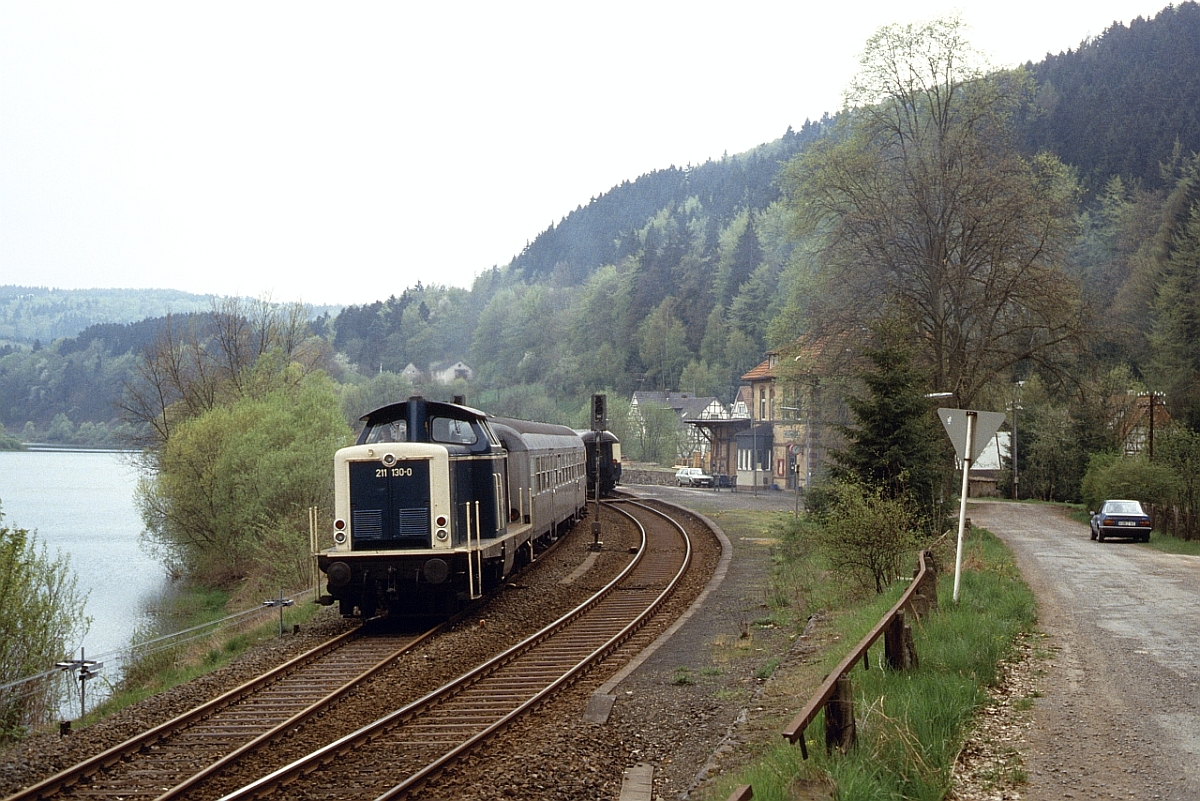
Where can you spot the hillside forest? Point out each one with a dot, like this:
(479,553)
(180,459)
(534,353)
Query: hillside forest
(1034,234)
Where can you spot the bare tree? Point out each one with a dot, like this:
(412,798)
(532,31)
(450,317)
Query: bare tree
(200,361)
(925,208)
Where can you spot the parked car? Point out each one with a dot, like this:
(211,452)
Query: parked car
(693,477)
(1121,519)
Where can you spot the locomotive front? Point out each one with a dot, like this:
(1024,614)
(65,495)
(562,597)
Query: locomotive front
(418,501)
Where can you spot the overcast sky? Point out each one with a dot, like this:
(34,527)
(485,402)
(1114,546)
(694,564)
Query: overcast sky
(341,152)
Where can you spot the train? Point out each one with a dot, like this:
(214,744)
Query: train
(607,467)
(437,503)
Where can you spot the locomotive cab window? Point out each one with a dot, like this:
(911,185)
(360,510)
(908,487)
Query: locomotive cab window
(395,431)
(455,432)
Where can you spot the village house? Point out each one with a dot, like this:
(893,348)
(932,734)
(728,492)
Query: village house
(694,452)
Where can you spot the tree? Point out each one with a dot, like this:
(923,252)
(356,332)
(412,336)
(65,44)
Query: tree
(43,611)
(240,477)
(892,446)
(1175,334)
(201,361)
(659,438)
(923,199)
(662,345)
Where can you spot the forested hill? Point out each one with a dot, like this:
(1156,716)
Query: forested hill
(605,231)
(43,314)
(1120,103)
(682,278)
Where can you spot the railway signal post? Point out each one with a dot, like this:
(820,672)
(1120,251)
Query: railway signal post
(599,419)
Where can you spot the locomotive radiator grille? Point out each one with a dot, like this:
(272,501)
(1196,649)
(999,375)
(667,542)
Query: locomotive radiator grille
(413,523)
(367,524)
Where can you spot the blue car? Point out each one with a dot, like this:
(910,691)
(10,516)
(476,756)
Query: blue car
(1121,519)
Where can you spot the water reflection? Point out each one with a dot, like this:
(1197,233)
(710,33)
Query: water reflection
(82,504)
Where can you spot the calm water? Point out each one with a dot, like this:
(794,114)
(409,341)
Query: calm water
(81,504)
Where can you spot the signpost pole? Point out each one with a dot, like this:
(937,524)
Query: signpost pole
(962,500)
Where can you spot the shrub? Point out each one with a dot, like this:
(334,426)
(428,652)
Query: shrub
(866,535)
(1110,475)
(42,612)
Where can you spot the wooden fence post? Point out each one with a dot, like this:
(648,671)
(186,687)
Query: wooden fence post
(839,717)
(910,649)
(893,642)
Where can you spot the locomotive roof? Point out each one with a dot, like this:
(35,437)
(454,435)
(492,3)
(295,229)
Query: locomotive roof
(396,411)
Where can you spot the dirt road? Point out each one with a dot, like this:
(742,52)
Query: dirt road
(1119,715)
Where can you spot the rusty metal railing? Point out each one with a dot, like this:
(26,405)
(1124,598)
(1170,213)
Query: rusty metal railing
(834,694)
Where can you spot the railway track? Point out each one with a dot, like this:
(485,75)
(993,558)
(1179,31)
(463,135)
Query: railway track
(399,752)
(166,761)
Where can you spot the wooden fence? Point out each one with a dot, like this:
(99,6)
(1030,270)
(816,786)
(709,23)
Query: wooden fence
(834,694)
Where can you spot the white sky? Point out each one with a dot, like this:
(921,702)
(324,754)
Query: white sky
(340,152)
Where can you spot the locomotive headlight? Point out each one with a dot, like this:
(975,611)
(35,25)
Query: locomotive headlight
(389,459)
(339,537)
(442,534)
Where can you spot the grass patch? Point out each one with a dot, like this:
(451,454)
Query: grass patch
(1169,544)
(764,671)
(683,676)
(911,724)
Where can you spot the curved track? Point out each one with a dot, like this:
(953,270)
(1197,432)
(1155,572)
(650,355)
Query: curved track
(166,761)
(396,754)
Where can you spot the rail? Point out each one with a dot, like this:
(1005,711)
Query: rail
(834,695)
(485,699)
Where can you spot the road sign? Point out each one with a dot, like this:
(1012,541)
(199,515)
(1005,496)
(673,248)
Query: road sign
(962,424)
(955,423)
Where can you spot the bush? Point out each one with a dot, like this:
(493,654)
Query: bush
(1111,475)
(866,535)
(243,475)
(42,612)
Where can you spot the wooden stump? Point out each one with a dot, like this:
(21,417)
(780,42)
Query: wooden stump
(839,717)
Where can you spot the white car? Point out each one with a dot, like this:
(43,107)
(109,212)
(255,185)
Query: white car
(693,477)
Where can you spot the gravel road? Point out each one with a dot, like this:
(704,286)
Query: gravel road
(1119,715)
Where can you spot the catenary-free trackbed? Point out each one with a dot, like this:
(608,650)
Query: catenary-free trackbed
(396,753)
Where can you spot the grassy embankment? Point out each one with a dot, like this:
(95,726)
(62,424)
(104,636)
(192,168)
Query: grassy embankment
(911,724)
(160,668)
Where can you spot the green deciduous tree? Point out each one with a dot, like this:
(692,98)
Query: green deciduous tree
(42,612)
(662,346)
(235,482)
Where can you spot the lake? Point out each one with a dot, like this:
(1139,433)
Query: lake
(82,505)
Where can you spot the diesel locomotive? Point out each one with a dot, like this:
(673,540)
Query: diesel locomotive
(437,503)
(604,466)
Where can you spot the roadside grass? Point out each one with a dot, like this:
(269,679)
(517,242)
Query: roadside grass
(160,668)
(1171,544)
(911,724)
